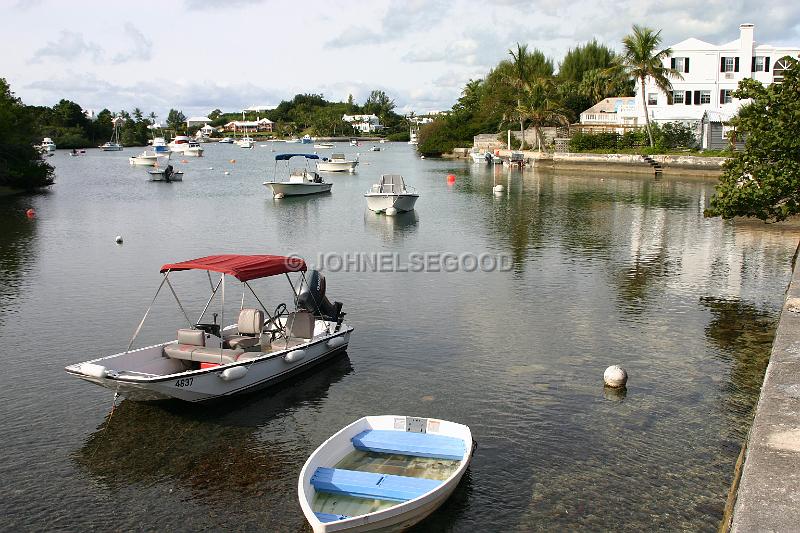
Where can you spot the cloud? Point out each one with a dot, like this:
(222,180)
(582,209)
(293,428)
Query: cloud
(358,36)
(69,46)
(141,49)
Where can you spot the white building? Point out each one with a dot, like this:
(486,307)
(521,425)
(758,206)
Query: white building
(616,114)
(364,123)
(197,121)
(261,124)
(710,75)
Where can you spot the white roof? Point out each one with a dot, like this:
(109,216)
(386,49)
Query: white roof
(198,119)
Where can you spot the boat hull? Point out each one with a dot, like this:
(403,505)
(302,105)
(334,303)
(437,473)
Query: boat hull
(380,202)
(193,152)
(298,189)
(337,166)
(156,175)
(143,161)
(209,384)
(396,518)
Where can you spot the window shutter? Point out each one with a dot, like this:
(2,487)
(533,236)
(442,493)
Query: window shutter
(697,98)
(753,65)
(736,64)
(722,64)
(722,96)
(686,65)
(669,98)
(688,99)
(766,64)
(672,63)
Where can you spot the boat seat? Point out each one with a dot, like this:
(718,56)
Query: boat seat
(371,485)
(300,325)
(191,346)
(249,326)
(327,517)
(409,443)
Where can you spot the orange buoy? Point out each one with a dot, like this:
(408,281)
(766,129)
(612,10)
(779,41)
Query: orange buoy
(233,161)
(184,161)
(30,213)
(451,178)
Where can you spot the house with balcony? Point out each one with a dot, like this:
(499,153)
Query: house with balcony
(616,114)
(710,73)
(364,123)
(261,124)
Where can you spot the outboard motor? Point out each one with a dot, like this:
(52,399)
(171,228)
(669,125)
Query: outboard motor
(312,298)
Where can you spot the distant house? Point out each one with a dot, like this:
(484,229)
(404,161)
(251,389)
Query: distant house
(611,114)
(207,130)
(197,121)
(364,123)
(262,124)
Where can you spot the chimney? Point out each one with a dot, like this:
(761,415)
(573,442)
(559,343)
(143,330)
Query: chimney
(746,39)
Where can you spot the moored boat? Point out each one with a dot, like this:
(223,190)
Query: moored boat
(113,145)
(337,163)
(193,149)
(245,142)
(145,159)
(478,157)
(179,143)
(391,195)
(300,181)
(160,145)
(383,473)
(323,145)
(225,140)
(206,360)
(167,174)
(306,139)
(46,146)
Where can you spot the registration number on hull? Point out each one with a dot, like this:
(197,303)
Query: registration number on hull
(184,382)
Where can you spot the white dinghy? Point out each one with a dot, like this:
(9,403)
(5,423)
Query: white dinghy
(337,163)
(207,361)
(167,174)
(391,196)
(301,181)
(383,473)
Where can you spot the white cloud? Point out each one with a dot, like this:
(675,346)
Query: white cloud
(69,46)
(141,48)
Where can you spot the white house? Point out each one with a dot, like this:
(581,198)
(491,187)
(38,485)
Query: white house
(197,121)
(616,113)
(364,123)
(710,74)
(261,124)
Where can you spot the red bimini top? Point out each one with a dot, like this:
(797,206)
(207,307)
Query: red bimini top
(242,267)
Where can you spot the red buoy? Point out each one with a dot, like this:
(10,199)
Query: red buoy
(30,213)
(451,178)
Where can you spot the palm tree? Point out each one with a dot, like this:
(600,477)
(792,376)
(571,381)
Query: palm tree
(641,60)
(526,69)
(542,107)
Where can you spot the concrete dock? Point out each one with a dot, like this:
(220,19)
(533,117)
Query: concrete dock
(768,497)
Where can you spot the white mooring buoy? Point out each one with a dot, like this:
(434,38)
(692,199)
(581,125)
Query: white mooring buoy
(498,188)
(118,239)
(615,377)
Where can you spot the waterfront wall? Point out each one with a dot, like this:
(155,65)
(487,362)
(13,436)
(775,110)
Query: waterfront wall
(768,496)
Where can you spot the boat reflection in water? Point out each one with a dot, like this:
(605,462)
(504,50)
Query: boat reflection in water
(224,446)
(398,226)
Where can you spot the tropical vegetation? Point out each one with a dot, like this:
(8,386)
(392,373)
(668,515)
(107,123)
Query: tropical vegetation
(763,180)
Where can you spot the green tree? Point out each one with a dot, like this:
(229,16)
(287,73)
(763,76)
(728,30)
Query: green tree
(542,106)
(763,181)
(176,120)
(526,67)
(214,115)
(585,58)
(641,60)
(21,165)
(378,103)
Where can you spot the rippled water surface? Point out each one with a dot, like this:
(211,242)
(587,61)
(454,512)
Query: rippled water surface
(604,269)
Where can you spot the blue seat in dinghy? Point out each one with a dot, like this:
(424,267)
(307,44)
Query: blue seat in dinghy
(409,443)
(371,485)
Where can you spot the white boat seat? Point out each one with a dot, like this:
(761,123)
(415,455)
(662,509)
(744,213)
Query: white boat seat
(300,325)
(202,354)
(249,326)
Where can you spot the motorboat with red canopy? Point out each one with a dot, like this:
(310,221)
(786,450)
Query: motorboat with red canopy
(206,360)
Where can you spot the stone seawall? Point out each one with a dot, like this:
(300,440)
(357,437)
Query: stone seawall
(768,497)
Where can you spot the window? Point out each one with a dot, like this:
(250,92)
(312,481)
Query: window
(758,64)
(677,97)
(652,98)
(681,64)
(726,96)
(780,66)
(728,65)
(705,97)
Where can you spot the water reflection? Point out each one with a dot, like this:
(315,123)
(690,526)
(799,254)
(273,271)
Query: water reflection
(212,448)
(391,228)
(18,246)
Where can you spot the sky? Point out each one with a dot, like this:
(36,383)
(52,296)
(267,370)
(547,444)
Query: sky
(200,55)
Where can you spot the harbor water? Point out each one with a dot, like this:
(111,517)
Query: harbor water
(581,270)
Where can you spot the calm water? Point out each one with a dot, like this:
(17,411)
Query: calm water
(605,270)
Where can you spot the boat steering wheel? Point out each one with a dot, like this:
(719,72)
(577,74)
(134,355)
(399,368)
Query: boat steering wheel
(273,326)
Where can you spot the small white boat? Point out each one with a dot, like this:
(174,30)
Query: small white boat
(375,149)
(145,159)
(391,196)
(166,174)
(160,145)
(383,473)
(382,141)
(206,360)
(323,145)
(300,182)
(412,137)
(47,145)
(179,143)
(293,141)
(225,140)
(478,157)
(245,142)
(353,142)
(306,139)
(337,163)
(113,145)
(193,149)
